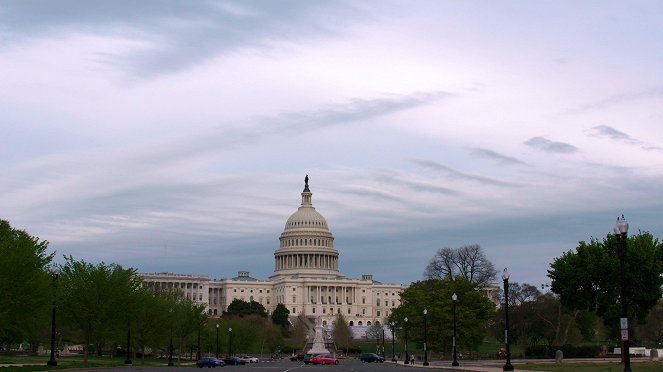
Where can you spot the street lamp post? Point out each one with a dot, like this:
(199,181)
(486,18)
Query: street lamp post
(128,360)
(620,229)
(393,338)
(170,347)
(217,341)
(383,341)
(407,360)
(505,278)
(55,272)
(425,337)
(230,341)
(454,297)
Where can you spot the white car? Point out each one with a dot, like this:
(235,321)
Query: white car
(250,359)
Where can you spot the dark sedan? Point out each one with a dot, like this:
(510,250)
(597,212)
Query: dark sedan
(371,357)
(210,362)
(233,361)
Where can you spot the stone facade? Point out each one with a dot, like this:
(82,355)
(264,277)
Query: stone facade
(306,278)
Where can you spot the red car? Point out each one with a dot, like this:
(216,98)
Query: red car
(324,359)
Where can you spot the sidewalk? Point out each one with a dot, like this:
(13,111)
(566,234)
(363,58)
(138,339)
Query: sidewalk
(476,366)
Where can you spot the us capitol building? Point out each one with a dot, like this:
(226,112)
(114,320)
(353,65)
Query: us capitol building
(306,278)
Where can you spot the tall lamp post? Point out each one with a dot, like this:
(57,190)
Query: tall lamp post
(393,339)
(55,272)
(217,341)
(505,278)
(454,297)
(383,341)
(230,342)
(170,347)
(620,229)
(407,360)
(425,337)
(128,360)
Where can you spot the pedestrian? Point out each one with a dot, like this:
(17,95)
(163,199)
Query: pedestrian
(412,359)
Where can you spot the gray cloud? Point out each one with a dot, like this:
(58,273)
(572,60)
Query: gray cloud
(460,175)
(502,159)
(614,134)
(619,99)
(393,179)
(610,132)
(183,34)
(544,144)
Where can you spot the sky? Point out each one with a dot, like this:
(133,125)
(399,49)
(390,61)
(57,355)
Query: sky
(174,136)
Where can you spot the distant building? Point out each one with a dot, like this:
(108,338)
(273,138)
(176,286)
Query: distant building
(306,278)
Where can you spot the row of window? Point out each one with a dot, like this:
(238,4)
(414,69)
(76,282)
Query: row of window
(305,242)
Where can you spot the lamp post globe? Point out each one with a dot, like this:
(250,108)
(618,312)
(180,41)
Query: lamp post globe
(425,337)
(505,279)
(55,272)
(407,359)
(621,229)
(454,297)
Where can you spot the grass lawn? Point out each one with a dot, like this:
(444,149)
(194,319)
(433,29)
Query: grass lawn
(38,363)
(592,366)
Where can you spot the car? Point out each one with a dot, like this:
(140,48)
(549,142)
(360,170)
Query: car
(210,362)
(298,357)
(250,359)
(324,359)
(370,358)
(307,358)
(234,361)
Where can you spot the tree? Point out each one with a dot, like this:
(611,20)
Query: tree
(468,262)
(94,298)
(299,333)
(589,277)
(242,308)
(375,332)
(652,330)
(280,316)
(25,285)
(473,312)
(342,334)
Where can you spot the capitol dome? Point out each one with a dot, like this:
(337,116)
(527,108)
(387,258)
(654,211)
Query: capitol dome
(306,244)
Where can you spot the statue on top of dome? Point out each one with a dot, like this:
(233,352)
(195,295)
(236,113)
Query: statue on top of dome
(306,183)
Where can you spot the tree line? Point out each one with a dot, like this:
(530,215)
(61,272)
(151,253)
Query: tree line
(103,305)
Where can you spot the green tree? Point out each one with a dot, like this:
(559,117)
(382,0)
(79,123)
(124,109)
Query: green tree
(589,277)
(473,312)
(94,298)
(242,308)
(25,285)
(342,334)
(280,316)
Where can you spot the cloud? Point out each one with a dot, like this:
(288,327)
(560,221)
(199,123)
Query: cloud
(459,175)
(179,34)
(502,159)
(614,134)
(610,132)
(619,99)
(410,183)
(544,144)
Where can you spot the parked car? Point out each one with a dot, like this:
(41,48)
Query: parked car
(250,359)
(324,359)
(370,358)
(307,358)
(210,362)
(233,361)
(298,357)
